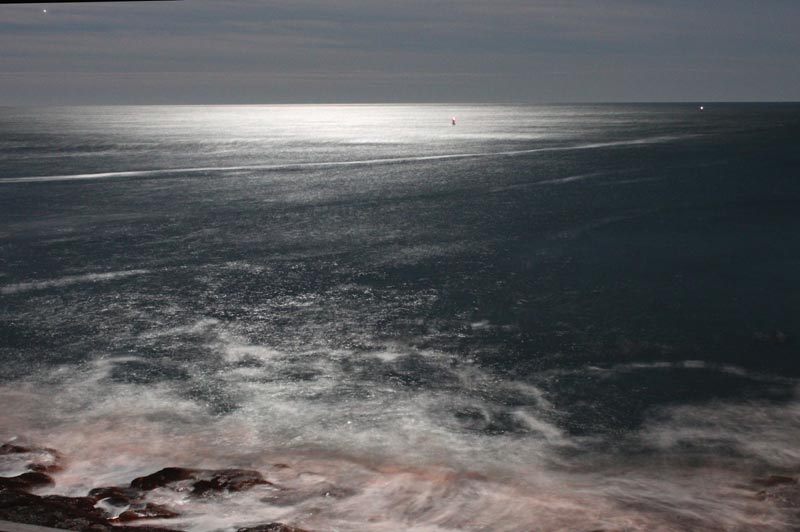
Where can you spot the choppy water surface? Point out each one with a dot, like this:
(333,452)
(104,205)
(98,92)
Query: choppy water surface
(543,318)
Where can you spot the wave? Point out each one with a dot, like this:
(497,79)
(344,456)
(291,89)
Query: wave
(331,164)
(361,449)
(729,369)
(69,280)
(747,429)
(556,181)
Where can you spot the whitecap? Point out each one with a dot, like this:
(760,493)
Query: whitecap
(70,280)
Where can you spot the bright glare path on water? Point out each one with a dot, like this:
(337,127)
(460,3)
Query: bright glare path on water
(542,318)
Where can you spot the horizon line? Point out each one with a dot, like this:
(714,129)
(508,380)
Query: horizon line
(366,103)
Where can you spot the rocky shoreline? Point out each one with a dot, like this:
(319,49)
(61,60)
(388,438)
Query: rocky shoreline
(112,508)
(118,508)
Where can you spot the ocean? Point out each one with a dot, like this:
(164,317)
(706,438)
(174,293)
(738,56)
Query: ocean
(543,318)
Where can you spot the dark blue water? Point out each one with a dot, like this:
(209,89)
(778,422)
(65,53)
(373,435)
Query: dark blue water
(585,315)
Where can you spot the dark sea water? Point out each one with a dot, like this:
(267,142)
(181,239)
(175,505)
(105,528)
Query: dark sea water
(556,318)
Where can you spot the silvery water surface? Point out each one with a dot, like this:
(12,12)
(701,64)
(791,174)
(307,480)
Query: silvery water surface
(551,318)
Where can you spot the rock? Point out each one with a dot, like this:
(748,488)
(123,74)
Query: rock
(46,460)
(8,448)
(202,480)
(112,507)
(147,511)
(229,480)
(104,508)
(25,481)
(44,468)
(272,527)
(127,504)
(62,512)
(87,514)
(69,513)
(116,493)
(163,477)
(37,459)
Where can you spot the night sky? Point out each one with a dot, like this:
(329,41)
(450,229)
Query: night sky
(268,51)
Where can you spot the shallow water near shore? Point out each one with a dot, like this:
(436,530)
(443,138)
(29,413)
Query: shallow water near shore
(555,318)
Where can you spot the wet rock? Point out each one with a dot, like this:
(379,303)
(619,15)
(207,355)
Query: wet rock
(69,513)
(62,512)
(44,468)
(46,461)
(37,459)
(126,495)
(25,481)
(8,448)
(98,512)
(163,477)
(128,504)
(229,480)
(147,511)
(112,507)
(105,508)
(201,481)
(272,527)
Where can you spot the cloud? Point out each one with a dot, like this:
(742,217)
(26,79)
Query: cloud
(615,42)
